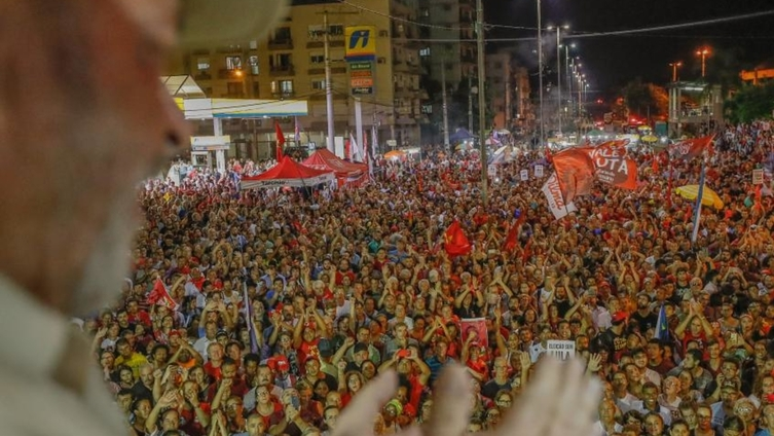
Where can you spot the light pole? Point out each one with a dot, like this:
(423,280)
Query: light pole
(559,68)
(675,66)
(540,71)
(481,101)
(703,52)
(569,73)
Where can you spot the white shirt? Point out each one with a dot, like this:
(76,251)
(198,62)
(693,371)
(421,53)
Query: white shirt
(33,341)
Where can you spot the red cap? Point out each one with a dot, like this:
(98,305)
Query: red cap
(620,316)
(174,333)
(282,363)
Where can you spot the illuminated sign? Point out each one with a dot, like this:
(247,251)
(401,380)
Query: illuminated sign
(361,43)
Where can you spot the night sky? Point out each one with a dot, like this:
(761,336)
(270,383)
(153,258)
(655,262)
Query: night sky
(614,60)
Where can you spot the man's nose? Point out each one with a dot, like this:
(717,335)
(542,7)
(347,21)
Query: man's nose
(176,130)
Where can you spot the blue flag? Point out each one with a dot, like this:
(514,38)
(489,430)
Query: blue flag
(662,325)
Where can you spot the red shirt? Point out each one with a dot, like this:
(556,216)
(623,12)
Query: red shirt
(238,389)
(212,371)
(141,316)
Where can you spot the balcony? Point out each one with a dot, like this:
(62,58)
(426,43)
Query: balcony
(225,73)
(283,94)
(203,76)
(281,44)
(321,70)
(315,44)
(468,57)
(282,70)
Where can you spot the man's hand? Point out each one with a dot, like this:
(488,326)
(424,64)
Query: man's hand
(561,400)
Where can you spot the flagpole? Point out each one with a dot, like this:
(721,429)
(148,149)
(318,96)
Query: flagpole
(697,214)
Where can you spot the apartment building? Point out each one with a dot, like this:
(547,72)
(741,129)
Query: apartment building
(290,64)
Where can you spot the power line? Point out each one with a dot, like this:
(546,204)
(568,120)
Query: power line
(403,20)
(525,39)
(674,26)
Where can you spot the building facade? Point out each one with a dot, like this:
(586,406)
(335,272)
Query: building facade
(290,64)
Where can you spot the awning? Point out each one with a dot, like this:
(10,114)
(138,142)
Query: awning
(206,108)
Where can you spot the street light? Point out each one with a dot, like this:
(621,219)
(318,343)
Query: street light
(559,67)
(540,69)
(703,52)
(675,66)
(568,66)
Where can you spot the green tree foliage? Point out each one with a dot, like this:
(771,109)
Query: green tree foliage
(750,103)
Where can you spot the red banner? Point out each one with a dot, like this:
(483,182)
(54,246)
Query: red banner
(612,166)
(691,148)
(477,327)
(575,172)
(160,295)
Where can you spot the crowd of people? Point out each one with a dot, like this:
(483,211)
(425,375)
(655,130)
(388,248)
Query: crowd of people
(283,304)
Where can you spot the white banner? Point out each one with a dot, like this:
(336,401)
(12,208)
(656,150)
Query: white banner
(560,350)
(524,175)
(757,177)
(539,171)
(555,199)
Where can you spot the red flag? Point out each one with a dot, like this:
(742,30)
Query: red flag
(455,241)
(612,166)
(280,140)
(347,150)
(420,185)
(692,148)
(575,171)
(160,295)
(513,235)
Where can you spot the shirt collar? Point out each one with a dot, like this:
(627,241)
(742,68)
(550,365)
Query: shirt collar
(33,337)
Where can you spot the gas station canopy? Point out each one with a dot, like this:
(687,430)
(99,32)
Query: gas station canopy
(208,108)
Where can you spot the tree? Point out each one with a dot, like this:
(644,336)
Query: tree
(750,103)
(645,99)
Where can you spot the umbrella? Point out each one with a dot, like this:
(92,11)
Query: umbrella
(709,197)
(395,154)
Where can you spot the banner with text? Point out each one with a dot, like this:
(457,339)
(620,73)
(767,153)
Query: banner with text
(560,350)
(556,203)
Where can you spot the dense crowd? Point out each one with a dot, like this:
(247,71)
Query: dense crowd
(285,303)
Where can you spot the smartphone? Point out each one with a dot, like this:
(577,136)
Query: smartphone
(295,402)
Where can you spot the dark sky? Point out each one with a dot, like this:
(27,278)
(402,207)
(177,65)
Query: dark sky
(615,60)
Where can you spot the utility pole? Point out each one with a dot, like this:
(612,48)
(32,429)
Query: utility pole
(569,81)
(328,86)
(540,71)
(481,100)
(559,72)
(445,106)
(470,104)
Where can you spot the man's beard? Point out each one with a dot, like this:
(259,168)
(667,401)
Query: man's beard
(108,263)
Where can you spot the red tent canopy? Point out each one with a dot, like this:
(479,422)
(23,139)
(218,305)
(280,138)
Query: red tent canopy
(323,159)
(347,173)
(287,173)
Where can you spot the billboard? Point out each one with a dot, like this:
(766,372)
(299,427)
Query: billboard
(360,43)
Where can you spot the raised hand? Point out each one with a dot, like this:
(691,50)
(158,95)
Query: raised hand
(561,400)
